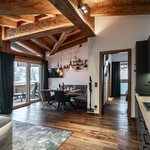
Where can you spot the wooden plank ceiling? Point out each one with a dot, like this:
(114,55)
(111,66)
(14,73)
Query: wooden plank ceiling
(35,26)
(118,7)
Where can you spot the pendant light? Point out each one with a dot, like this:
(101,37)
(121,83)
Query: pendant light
(70,64)
(61,69)
(58,70)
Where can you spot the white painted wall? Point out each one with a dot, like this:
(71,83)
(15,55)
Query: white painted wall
(70,77)
(117,32)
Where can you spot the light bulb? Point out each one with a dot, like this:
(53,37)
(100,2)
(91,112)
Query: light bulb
(61,73)
(58,70)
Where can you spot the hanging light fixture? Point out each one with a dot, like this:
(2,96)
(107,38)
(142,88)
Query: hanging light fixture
(58,70)
(61,69)
(76,64)
(84,8)
(70,64)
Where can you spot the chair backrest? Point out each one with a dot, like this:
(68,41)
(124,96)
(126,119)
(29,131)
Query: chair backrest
(60,96)
(45,95)
(35,87)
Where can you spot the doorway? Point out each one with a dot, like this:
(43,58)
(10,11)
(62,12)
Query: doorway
(123,88)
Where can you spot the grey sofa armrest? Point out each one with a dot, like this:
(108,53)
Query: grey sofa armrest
(5,133)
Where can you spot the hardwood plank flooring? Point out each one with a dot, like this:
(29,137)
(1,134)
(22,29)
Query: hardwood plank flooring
(112,131)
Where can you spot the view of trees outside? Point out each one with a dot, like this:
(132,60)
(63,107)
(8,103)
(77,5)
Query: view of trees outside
(35,72)
(20,72)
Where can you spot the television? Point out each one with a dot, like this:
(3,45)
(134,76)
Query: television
(52,73)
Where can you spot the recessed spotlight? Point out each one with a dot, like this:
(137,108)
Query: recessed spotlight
(84,8)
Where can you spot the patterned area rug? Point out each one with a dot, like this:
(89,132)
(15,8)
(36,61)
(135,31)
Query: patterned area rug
(31,137)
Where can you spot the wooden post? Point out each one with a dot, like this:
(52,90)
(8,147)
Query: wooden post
(6,46)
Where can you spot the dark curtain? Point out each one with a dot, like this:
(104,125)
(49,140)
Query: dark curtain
(6,82)
(45,75)
(115,85)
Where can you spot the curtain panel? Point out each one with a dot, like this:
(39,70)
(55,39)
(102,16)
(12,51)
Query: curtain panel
(45,75)
(6,82)
(115,85)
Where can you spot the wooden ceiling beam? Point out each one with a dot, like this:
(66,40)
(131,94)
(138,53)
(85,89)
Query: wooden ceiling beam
(18,48)
(31,47)
(58,44)
(41,28)
(74,38)
(70,9)
(66,46)
(27,18)
(120,10)
(45,16)
(27,56)
(42,43)
(17,7)
(7,22)
(53,38)
(74,32)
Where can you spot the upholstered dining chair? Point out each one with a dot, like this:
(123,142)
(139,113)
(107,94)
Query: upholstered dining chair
(46,96)
(62,99)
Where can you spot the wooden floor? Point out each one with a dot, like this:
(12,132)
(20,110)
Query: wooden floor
(90,132)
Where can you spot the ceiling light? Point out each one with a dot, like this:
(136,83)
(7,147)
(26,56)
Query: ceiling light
(84,8)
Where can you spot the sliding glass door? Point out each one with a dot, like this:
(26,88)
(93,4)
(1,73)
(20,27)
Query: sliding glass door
(20,83)
(27,79)
(35,76)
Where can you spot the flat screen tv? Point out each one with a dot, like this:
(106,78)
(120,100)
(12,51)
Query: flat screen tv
(52,73)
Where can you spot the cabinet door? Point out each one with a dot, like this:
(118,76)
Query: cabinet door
(141,57)
(148,55)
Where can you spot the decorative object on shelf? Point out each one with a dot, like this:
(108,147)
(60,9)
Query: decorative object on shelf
(76,64)
(59,69)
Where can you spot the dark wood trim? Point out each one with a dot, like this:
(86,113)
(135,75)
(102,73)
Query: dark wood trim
(109,82)
(101,84)
(129,82)
(27,57)
(101,78)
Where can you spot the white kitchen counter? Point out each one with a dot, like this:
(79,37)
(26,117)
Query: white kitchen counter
(145,113)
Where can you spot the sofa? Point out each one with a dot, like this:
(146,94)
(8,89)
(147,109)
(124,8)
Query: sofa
(5,133)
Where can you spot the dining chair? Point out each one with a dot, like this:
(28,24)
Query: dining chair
(62,99)
(46,96)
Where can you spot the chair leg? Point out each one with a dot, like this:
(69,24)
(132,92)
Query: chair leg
(58,105)
(66,106)
(45,106)
(51,104)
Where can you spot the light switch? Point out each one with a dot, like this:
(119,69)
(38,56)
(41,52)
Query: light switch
(95,84)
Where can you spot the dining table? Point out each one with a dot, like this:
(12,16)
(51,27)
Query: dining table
(68,92)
